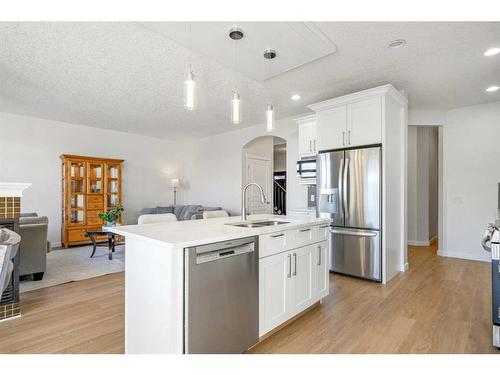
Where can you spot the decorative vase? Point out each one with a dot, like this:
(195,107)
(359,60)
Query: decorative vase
(110,223)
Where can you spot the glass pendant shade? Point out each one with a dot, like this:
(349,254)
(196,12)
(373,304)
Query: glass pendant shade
(190,91)
(270,118)
(236,108)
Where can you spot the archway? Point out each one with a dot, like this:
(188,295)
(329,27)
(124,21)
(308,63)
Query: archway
(264,162)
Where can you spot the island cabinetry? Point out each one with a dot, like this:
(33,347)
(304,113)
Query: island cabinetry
(293,275)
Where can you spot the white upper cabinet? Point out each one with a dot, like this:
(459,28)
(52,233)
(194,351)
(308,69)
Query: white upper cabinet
(307,136)
(351,120)
(331,128)
(364,122)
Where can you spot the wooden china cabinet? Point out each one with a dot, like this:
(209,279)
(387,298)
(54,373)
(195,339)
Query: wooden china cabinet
(89,185)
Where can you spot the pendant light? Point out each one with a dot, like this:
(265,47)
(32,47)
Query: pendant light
(189,83)
(235,34)
(269,54)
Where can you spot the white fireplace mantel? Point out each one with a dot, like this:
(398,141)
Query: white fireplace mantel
(13,189)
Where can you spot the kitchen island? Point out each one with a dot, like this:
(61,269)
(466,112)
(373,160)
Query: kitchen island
(155,274)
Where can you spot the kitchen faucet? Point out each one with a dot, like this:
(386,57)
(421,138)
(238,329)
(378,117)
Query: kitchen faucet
(244,200)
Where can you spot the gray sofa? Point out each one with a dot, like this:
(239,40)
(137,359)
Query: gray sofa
(182,212)
(34,245)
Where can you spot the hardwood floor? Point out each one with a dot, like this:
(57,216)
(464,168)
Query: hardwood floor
(441,305)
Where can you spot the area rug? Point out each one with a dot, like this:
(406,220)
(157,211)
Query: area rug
(74,263)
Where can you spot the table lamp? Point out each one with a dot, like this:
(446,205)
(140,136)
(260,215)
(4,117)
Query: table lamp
(175,184)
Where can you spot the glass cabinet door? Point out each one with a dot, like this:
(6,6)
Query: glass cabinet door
(77,189)
(95,178)
(113,185)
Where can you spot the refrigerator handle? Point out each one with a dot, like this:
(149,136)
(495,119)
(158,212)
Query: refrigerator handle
(344,188)
(341,191)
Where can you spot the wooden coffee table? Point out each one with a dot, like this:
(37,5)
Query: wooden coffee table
(112,241)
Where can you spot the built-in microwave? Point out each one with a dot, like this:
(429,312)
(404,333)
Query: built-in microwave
(306,170)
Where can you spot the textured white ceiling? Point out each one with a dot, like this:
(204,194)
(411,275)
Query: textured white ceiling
(128,76)
(296,44)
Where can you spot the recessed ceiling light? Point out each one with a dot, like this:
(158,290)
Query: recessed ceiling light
(396,43)
(492,51)
(295,97)
(492,88)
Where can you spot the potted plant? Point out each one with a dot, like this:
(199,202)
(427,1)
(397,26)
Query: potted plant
(111,216)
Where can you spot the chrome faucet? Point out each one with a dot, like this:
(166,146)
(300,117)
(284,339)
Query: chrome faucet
(244,199)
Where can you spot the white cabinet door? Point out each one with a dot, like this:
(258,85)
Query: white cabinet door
(307,139)
(322,273)
(331,128)
(303,276)
(275,290)
(364,122)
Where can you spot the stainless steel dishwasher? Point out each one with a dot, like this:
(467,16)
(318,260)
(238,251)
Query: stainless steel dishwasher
(221,301)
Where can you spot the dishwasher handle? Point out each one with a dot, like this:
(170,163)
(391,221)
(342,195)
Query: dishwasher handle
(223,253)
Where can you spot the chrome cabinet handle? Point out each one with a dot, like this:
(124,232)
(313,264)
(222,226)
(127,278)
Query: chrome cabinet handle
(294,264)
(349,137)
(310,147)
(343,138)
(277,235)
(305,230)
(324,226)
(314,145)
(289,273)
(319,255)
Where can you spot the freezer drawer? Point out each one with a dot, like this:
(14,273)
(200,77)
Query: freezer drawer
(356,252)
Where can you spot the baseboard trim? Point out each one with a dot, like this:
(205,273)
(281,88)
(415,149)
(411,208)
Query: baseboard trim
(419,243)
(464,255)
(404,267)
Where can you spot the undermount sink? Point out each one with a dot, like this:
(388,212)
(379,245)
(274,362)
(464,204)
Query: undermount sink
(258,224)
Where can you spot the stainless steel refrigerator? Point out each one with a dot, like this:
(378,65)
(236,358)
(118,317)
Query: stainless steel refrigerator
(349,193)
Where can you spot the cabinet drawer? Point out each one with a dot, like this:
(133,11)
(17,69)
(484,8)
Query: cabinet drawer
(273,243)
(95,199)
(303,236)
(92,218)
(77,235)
(94,206)
(322,232)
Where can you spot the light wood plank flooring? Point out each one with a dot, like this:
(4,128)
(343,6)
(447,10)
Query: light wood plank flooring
(441,305)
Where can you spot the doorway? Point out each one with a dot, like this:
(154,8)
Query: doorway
(264,162)
(424,185)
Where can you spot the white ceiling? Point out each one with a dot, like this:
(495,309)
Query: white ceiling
(296,44)
(128,76)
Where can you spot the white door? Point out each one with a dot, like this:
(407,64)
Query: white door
(364,122)
(307,139)
(259,170)
(331,128)
(322,275)
(274,291)
(303,276)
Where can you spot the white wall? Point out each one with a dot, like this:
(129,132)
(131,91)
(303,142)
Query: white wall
(214,167)
(412,185)
(30,149)
(471,172)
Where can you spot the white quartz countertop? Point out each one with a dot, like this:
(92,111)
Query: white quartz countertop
(181,234)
